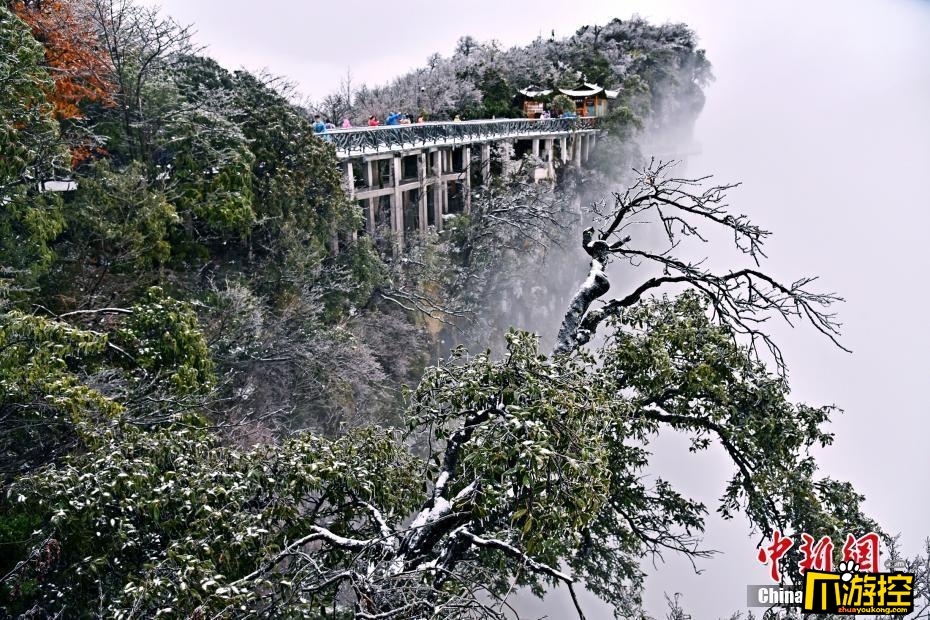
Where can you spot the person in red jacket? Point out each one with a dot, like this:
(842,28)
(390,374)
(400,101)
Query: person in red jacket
(372,121)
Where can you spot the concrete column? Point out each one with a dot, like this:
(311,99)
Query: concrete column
(439,187)
(370,174)
(577,140)
(550,155)
(370,216)
(587,147)
(466,166)
(506,150)
(372,202)
(350,192)
(422,160)
(485,163)
(348,178)
(397,206)
(563,150)
(444,204)
(536,147)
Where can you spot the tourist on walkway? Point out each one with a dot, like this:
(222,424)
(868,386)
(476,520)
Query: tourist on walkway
(329,125)
(372,121)
(392,119)
(404,119)
(318,125)
(346,124)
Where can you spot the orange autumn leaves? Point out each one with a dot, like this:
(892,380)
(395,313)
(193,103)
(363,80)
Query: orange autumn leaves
(74,56)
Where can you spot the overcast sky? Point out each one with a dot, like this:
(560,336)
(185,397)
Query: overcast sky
(821,109)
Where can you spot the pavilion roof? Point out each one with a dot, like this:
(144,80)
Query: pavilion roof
(587,89)
(532,92)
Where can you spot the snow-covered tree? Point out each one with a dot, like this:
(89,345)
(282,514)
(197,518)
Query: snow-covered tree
(533,464)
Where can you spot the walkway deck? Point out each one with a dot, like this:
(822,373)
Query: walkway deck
(362,141)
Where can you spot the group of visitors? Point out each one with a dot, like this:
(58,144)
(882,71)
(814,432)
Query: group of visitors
(394,118)
(547,114)
(322,126)
(397,118)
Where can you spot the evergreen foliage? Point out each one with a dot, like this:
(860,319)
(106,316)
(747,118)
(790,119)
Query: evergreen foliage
(200,399)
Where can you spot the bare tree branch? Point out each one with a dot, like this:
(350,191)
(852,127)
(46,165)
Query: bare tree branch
(741,299)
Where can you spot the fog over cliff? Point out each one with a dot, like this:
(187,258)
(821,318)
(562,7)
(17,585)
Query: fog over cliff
(822,110)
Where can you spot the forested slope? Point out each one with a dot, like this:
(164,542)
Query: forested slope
(201,400)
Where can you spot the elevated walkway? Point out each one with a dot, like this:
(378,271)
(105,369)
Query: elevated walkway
(362,141)
(401,175)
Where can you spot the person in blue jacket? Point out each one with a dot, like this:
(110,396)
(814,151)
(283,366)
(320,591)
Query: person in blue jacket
(318,125)
(392,119)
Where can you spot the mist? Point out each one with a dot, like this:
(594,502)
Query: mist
(822,111)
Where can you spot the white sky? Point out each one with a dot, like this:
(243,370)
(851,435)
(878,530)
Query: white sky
(821,108)
(315,43)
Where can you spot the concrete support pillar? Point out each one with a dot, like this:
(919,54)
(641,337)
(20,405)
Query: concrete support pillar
(550,155)
(348,174)
(506,148)
(588,138)
(421,176)
(372,202)
(536,147)
(370,174)
(397,204)
(370,216)
(577,141)
(485,164)
(466,167)
(563,150)
(350,191)
(439,187)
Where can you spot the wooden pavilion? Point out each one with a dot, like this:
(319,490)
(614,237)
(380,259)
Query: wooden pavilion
(531,100)
(590,99)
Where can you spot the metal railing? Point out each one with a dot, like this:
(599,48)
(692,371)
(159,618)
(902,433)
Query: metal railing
(398,137)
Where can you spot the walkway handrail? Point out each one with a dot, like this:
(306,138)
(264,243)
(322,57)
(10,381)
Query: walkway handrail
(390,137)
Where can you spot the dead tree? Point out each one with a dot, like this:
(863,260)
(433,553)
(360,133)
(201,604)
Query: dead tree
(742,299)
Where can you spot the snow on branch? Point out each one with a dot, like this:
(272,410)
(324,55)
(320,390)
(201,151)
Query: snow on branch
(742,300)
